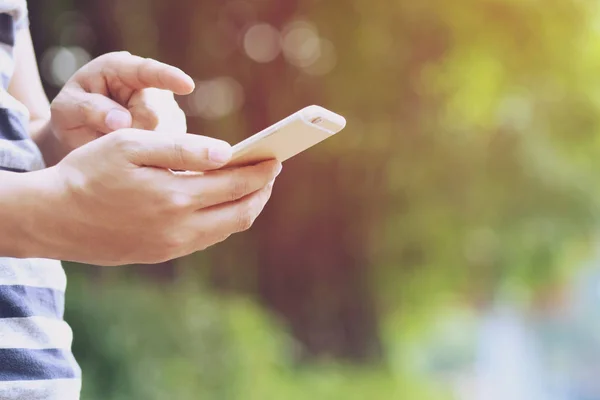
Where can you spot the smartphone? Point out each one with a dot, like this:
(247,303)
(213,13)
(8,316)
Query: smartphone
(288,137)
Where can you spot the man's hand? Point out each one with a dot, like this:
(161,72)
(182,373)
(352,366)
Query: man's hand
(117,91)
(114,201)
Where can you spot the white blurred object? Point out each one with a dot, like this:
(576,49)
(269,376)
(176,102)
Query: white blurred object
(301,44)
(305,49)
(508,366)
(60,63)
(326,62)
(262,43)
(215,98)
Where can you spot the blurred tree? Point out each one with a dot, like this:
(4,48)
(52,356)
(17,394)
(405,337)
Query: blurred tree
(468,166)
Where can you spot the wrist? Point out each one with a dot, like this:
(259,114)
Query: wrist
(29,204)
(49,144)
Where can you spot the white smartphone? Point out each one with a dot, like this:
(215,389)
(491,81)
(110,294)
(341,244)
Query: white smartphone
(288,137)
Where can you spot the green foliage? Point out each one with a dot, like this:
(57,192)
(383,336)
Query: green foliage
(485,131)
(141,341)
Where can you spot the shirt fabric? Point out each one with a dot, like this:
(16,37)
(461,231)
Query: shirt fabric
(36,362)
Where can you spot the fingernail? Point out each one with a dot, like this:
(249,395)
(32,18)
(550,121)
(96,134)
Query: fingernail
(117,119)
(278,171)
(219,155)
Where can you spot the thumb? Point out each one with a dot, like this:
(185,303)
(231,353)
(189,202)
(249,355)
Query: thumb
(117,118)
(92,110)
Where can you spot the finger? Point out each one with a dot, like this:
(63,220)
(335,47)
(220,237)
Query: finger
(170,120)
(226,219)
(141,73)
(187,152)
(157,110)
(218,187)
(146,105)
(75,107)
(177,122)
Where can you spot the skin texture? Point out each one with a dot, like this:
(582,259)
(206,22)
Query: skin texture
(110,196)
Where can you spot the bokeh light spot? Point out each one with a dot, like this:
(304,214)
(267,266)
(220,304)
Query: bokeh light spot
(326,62)
(215,98)
(301,44)
(262,43)
(60,63)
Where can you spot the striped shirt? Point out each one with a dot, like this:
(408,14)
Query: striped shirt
(35,342)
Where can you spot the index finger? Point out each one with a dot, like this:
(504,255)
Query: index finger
(140,73)
(223,186)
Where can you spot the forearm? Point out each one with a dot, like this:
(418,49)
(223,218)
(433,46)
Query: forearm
(26,87)
(52,149)
(25,214)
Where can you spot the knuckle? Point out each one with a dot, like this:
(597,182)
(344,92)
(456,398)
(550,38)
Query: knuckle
(244,219)
(84,106)
(123,142)
(147,118)
(178,153)
(178,201)
(238,188)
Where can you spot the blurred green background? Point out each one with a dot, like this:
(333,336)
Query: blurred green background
(443,246)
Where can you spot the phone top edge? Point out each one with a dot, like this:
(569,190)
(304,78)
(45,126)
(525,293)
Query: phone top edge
(314,111)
